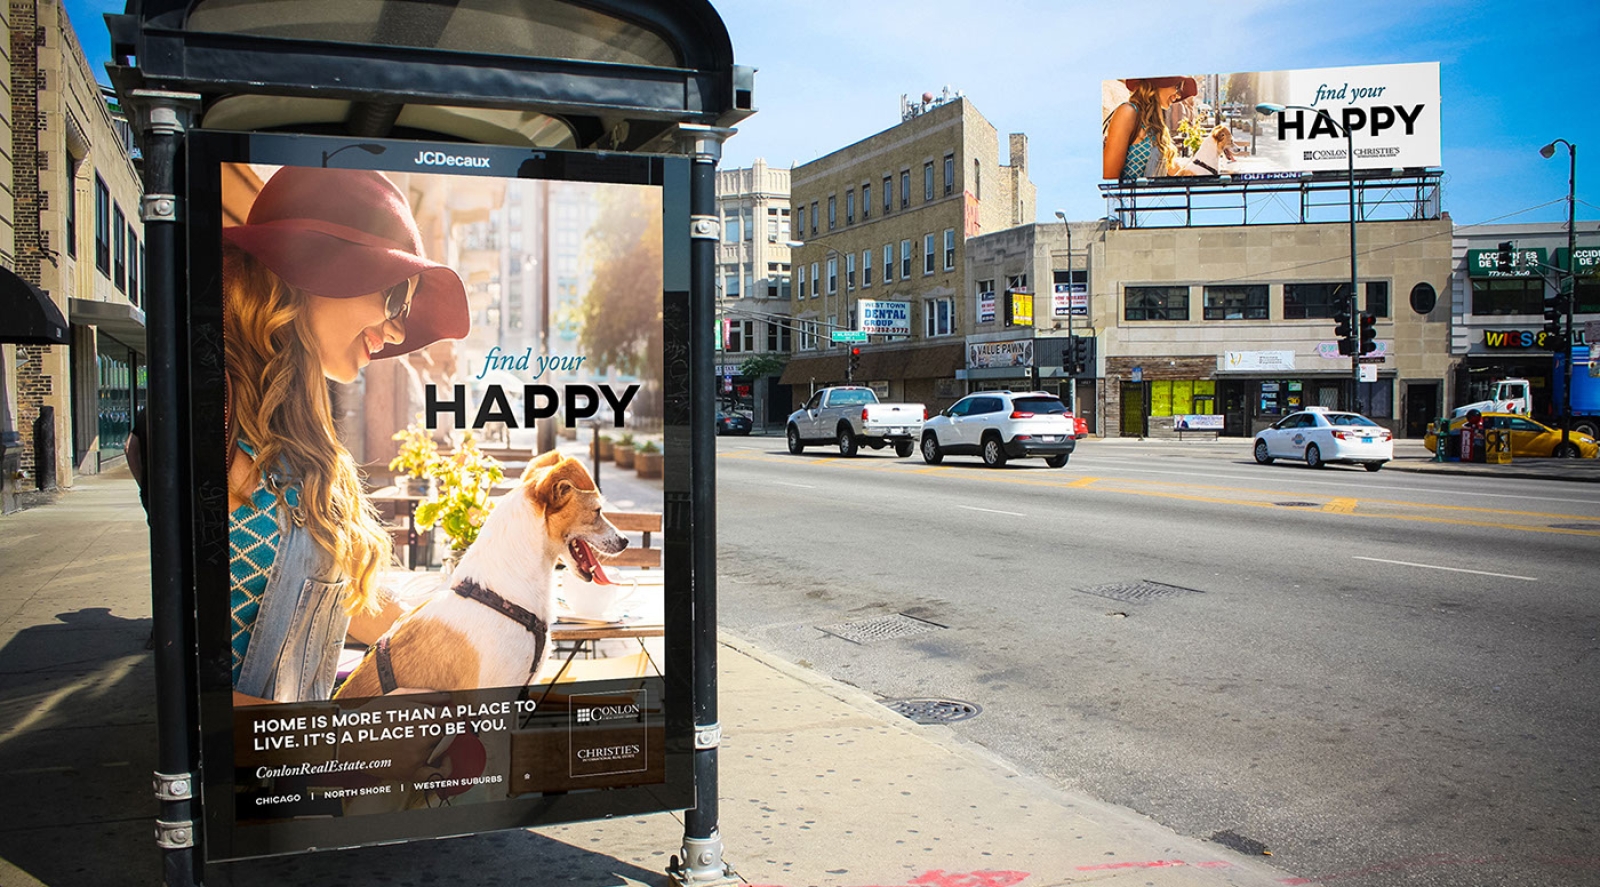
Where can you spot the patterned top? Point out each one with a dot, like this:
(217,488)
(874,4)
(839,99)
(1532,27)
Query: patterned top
(252,546)
(1138,156)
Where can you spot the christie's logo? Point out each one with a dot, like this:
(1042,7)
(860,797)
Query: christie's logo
(598,713)
(439,158)
(609,753)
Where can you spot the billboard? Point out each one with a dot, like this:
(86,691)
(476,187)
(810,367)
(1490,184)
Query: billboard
(383,659)
(1207,124)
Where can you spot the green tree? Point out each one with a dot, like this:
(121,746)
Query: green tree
(621,315)
(759,365)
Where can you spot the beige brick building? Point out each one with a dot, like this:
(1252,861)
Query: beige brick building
(887,220)
(1233,321)
(69,224)
(754,288)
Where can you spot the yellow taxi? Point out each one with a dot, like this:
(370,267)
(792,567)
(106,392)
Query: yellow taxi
(1529,438)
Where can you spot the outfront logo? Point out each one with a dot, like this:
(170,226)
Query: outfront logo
(439,158)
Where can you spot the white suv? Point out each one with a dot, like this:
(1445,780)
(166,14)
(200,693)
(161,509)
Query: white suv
(1001,425)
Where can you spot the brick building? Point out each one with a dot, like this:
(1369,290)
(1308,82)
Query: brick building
(69,224)
(887,220)
(754,281)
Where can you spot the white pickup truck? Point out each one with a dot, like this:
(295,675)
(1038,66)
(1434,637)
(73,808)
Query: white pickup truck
(851,416)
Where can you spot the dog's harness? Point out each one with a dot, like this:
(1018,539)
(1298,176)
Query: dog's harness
(1203,165)
(472,591)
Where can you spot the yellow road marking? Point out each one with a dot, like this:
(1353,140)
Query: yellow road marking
(1340,506)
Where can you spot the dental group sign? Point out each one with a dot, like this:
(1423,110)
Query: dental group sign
(885,318)
(1392,112)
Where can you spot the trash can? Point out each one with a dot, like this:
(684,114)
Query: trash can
(1497,446)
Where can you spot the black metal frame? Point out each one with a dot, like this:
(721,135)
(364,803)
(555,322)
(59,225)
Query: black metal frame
(1185,202)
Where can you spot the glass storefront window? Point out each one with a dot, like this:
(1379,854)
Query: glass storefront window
(1182,397)
(121,384)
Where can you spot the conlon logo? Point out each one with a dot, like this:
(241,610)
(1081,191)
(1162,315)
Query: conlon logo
(439,158)
(629,712)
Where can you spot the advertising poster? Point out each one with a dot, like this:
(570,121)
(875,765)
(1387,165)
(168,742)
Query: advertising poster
(1070,299)
(885,318)
(986,302)
(1207,124)
(995,355)
(419,613)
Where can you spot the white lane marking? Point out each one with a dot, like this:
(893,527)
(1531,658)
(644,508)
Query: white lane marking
(992,511)
(1353,481)
(801,486)
(1451,569)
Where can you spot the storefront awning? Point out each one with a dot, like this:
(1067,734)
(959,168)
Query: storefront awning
(27,315)
(805,370)
(119,320)
(892,364)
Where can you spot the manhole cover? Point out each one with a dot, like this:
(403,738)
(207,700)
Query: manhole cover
(1137,592)
(880,628)
(934,711)
(1575,526)
(1295,504)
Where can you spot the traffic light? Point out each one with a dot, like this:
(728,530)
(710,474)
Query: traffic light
(1369,334)
(1555,310)
(1342,327)
(1504,261)
(1082,354)
(855,363)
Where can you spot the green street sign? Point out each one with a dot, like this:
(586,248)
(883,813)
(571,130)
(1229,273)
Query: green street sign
(849,336)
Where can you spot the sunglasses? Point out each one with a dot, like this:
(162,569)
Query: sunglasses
(397,299)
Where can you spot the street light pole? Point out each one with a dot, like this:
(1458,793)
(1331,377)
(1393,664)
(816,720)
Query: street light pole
(1355,297)
(1569,283)
(1072,380)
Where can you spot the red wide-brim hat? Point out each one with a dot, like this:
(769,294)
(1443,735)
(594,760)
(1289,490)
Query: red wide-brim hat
(343,233)
(1187,87)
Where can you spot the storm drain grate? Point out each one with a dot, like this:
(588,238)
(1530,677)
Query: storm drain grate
(880,628)
(1575,526)
(1139,592)
(934,711)
(1295,504)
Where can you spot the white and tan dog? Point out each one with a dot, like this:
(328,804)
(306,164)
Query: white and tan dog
(1215,152)
(490,627)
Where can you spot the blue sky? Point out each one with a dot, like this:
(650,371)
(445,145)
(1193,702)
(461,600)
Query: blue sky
(1514,76)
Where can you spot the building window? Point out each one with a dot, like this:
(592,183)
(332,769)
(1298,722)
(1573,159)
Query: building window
(808,335)
(927,254)
(730,286)
(905,188)
(927,181)
(749,216)
(888,263)
(1156,303)
(949,174)
(730,227)
(1377,398)
(833,324)
(850,207)
(816,281)
(72,219)
(1378,299)
(949,249)
(1307,301)
(833,275)
(102,226)
(833,212)
(1509,296)
(813,217)
(133,267)
(1017,283)
(866,267)
(866,201)
(1236,302)
(119,238)
(939,317)
(888,194)
(143,275)
(905,260)
(777,281)
(741,336)
(850,272)
(778,336)
(977,181)
(802,281)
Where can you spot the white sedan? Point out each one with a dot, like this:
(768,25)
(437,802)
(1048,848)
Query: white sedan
(1319,436)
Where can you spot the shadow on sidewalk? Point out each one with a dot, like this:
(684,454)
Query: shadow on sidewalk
(77,747)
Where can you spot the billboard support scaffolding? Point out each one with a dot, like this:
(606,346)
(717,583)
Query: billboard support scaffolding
(163,118)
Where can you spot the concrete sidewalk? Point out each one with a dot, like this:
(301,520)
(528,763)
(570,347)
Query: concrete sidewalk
(821,785)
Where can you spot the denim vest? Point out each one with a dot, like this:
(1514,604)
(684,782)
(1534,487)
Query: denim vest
(300,628)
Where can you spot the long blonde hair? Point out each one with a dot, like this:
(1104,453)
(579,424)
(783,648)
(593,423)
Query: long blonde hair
(1146,101)
(278,403)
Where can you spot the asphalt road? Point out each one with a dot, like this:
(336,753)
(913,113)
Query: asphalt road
(1381,678)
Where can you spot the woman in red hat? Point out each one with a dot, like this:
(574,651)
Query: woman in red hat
(327,275)
(1138,144)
